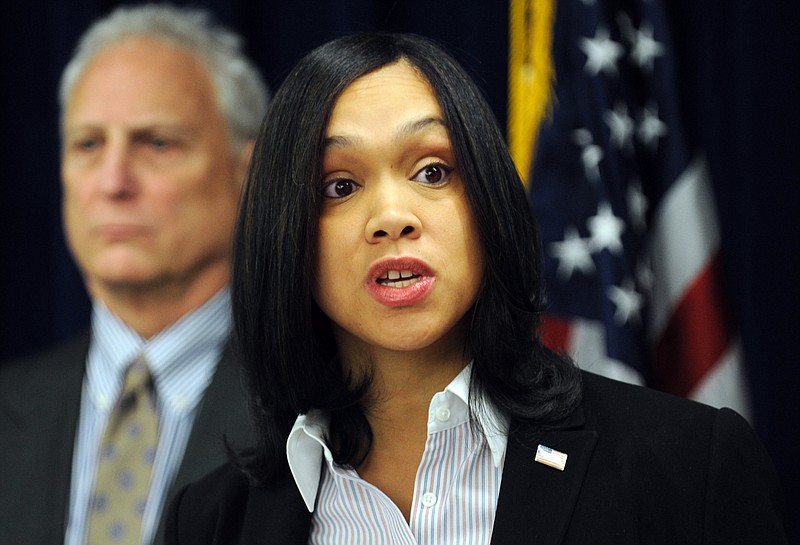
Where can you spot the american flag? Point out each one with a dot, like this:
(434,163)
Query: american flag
(623,197)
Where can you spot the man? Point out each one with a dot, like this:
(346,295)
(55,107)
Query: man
(159,113)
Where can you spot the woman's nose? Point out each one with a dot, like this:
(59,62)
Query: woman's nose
(392,214)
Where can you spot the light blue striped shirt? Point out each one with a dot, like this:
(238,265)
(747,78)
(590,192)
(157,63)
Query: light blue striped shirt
(455,490)
(182,360)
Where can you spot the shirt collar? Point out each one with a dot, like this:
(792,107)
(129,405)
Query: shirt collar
(192,344)
(306,446)
(493,424)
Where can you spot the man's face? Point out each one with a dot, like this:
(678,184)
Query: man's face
(151,186)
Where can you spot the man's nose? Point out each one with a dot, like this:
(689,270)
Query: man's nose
(115,177)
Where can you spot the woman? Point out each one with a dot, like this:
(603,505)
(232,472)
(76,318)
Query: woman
(387,293)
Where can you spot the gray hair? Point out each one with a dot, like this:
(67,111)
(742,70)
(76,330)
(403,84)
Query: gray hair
(241,93)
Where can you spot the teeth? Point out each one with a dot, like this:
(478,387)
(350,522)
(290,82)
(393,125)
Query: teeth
(398,279)
(396,275)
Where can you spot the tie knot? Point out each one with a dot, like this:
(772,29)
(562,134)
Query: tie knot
(137,381)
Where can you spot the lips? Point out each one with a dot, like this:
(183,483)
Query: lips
(400,282)
(120,231)
(117,231)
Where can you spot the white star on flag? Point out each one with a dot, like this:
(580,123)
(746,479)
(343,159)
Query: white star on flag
(621,126)
(637,205)
(651,128)
(646,48)
(591,154)
(572,253)
(602,53)
(628,302)
(606,229)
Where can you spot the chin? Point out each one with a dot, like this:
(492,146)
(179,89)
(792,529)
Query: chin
(128,277)
(410,343)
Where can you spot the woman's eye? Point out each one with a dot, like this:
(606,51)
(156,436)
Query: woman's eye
(433,174)
(340,188)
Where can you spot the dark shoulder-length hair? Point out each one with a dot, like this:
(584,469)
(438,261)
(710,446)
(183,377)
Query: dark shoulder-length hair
(284,340)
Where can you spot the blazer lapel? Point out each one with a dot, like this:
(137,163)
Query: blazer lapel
(62,438)
(42,430)
(536,501)
(222,416)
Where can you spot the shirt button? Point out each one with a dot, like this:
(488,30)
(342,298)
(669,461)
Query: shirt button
(442,414)
(105,402)
(428,499)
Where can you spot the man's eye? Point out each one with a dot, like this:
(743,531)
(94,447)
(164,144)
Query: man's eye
(433,174)
(87,144)
(159,143)
(340,188)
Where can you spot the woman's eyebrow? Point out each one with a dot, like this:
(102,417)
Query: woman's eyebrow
(336,141)
(412,127)
(405,130)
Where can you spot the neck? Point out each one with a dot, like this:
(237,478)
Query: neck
(403,382)
(402,387)
(154,308)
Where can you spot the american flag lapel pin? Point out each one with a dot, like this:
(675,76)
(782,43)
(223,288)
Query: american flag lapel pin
(551,457)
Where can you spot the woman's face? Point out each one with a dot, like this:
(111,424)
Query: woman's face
(399,262)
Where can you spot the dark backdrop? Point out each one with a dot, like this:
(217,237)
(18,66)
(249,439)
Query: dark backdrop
(741,67)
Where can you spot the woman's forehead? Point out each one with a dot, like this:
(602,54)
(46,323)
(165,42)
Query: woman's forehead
(393,92)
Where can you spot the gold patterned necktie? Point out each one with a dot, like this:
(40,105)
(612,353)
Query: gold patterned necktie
(125,464)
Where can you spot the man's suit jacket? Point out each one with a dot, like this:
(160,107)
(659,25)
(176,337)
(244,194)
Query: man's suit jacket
(39,409)
(642,467)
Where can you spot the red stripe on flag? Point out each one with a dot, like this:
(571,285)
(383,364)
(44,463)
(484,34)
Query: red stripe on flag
(697,335)
(556,333)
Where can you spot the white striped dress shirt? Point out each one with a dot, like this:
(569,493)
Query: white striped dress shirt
(182,360)
(455,490)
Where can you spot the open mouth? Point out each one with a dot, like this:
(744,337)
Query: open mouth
(398,279)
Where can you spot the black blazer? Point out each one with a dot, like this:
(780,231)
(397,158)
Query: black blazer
(643,467)
(39,409)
